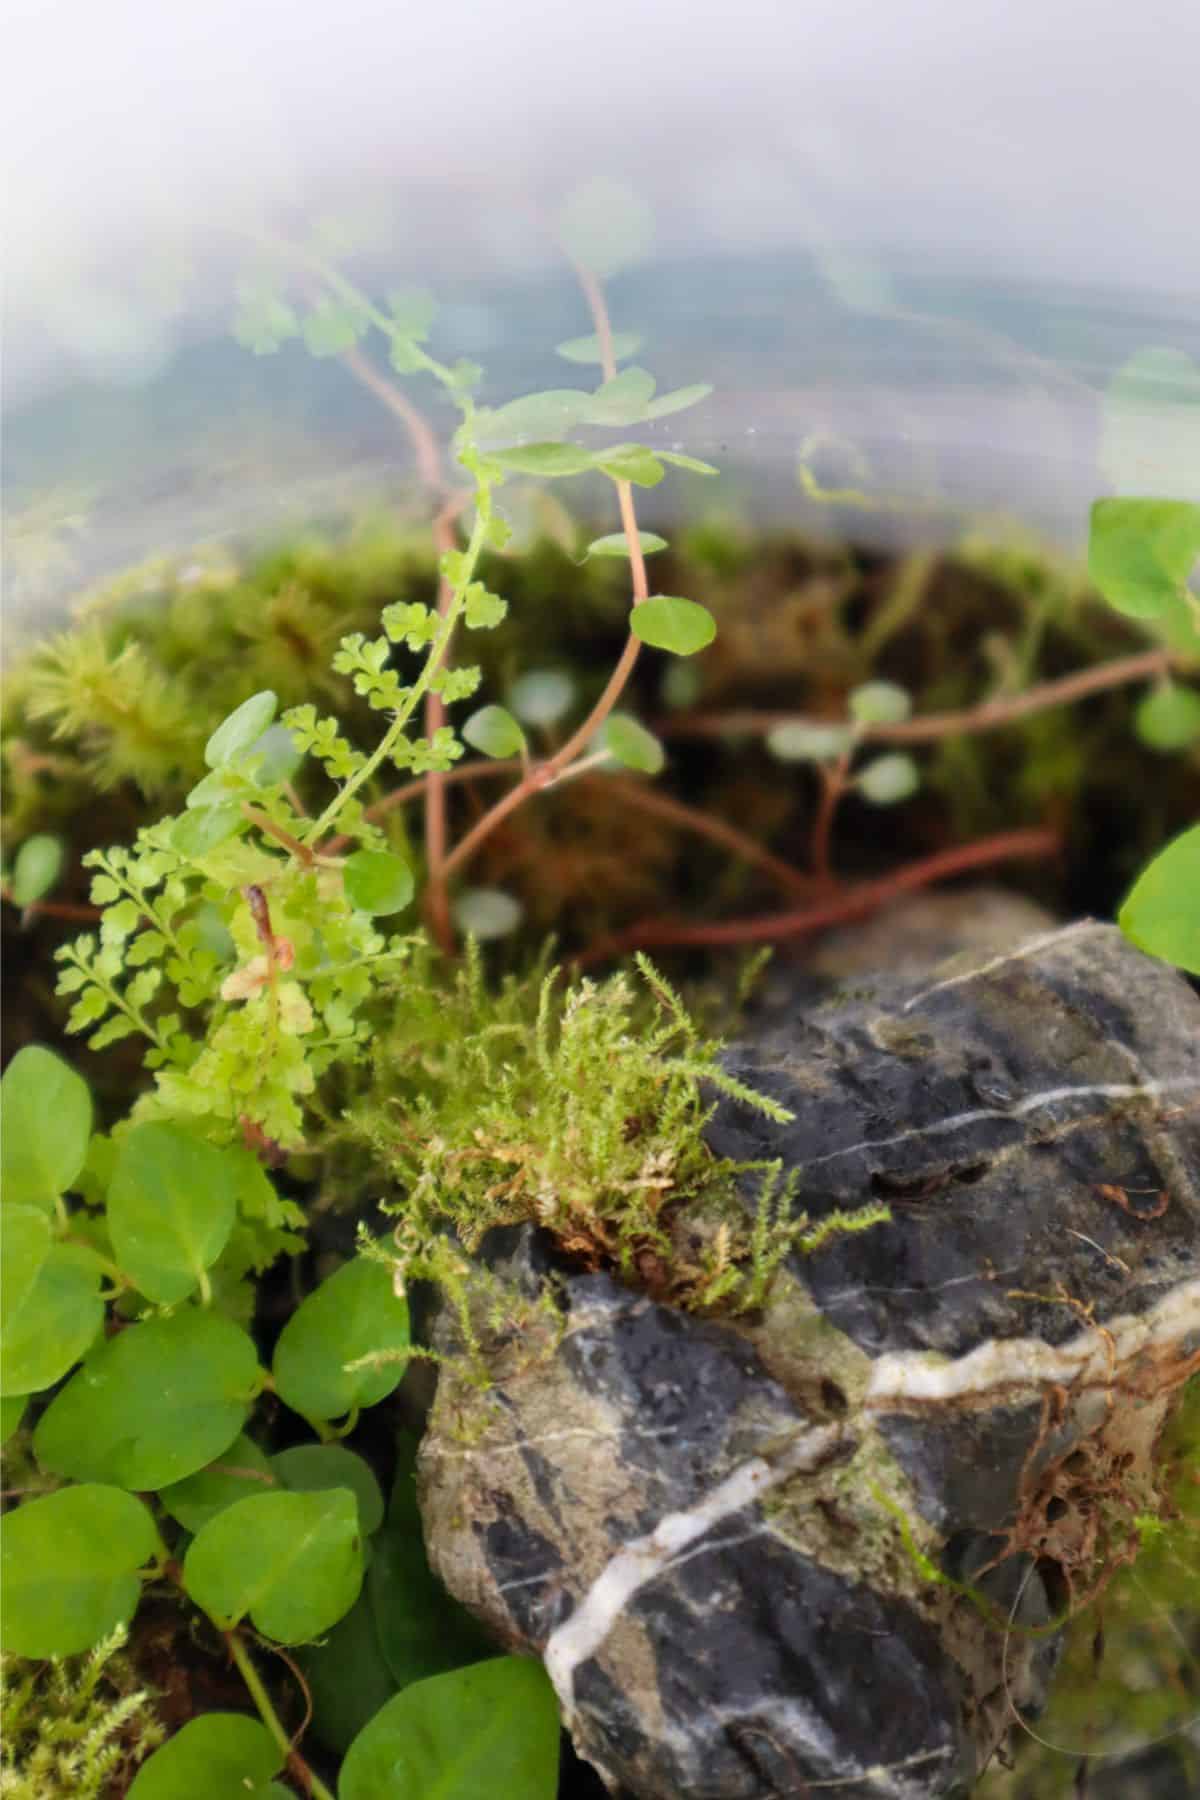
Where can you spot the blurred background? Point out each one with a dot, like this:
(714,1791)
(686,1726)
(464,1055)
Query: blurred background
(940,262)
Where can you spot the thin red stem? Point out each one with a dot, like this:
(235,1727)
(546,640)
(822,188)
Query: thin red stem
(852,903)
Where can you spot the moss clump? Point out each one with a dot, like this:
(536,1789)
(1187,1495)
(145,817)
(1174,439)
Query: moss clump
(74,1728)
(580,1110)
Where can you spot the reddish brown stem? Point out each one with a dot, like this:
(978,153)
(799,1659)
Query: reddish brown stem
(986,717)
(833,786)
(54,909)
(852,903)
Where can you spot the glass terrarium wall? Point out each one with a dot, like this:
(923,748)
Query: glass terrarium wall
(937,263)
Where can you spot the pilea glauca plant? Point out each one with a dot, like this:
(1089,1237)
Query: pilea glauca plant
(246,941)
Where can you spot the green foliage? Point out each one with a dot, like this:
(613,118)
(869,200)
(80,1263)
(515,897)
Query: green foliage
(291,1562)
(222,1755)
(1161,914)
(666,622)
(1141,552)
(491,1728)
(70,1565)
(346,1346)
(629,743)
(45,1123)
(73,1728)
(37,868)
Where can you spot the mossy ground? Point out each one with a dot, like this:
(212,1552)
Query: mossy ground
(105,725)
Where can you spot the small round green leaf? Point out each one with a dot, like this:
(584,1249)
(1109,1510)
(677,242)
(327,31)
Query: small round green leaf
(153,1404)
(1141,552)
(312,1468)
(222,1756)
(52,1308)
(678,400)
(621,401)
(590,349)
(291,1562)
(45,1123)
(888,779)
(548,461)
(493,731)
(237,1473)
(70,1562)
(666,622)
(171,1207)
(197,832)
(1168,718)
(539,417)
(486,913)
(879,703)
(631,462)
(492,1728)
(244,726)
(605,225)
(274,757)
(632,745)
(1161,914)
(542,696)
(36,868)
(377,881)
(799,741)
(617,544)
(352,1314)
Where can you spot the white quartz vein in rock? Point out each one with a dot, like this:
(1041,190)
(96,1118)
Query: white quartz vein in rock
(1004,1363)
(1102,1090)
(644,1559)
(1030,947)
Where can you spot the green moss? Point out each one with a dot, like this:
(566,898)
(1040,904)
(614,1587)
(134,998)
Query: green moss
(74,1728)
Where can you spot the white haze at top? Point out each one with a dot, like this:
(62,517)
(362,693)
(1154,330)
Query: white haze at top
(1035,142)
(1049,137)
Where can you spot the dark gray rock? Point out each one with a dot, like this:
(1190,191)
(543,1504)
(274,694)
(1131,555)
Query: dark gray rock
(744,1546)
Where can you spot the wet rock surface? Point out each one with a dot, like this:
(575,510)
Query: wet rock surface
(778,1554)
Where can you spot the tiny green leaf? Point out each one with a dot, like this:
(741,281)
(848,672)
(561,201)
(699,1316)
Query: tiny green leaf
(1161,914)
(292,1562)
(666,622)
(542,696)
(237,1473)
(314,1468)
(797,740)
(590,349)
(352,1314)
(224,1756)
(153,1404)
(263,320)
(1141,552)
(888,779)
(491,1729)
(617,544)
(274,757)
(332,326)
(630,462)
(632,745)
(879,703)
(494,732)
(691,463)
(677,401)
(241,729)
(171,1207)
(70,1562)
(1168,717)
(548,461)
(622,400)
(36,868)
(45,1123)
(537,416)
(50,1316)
(413,311)
(605,225)
(377,881)
(197,832)
(486,913)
